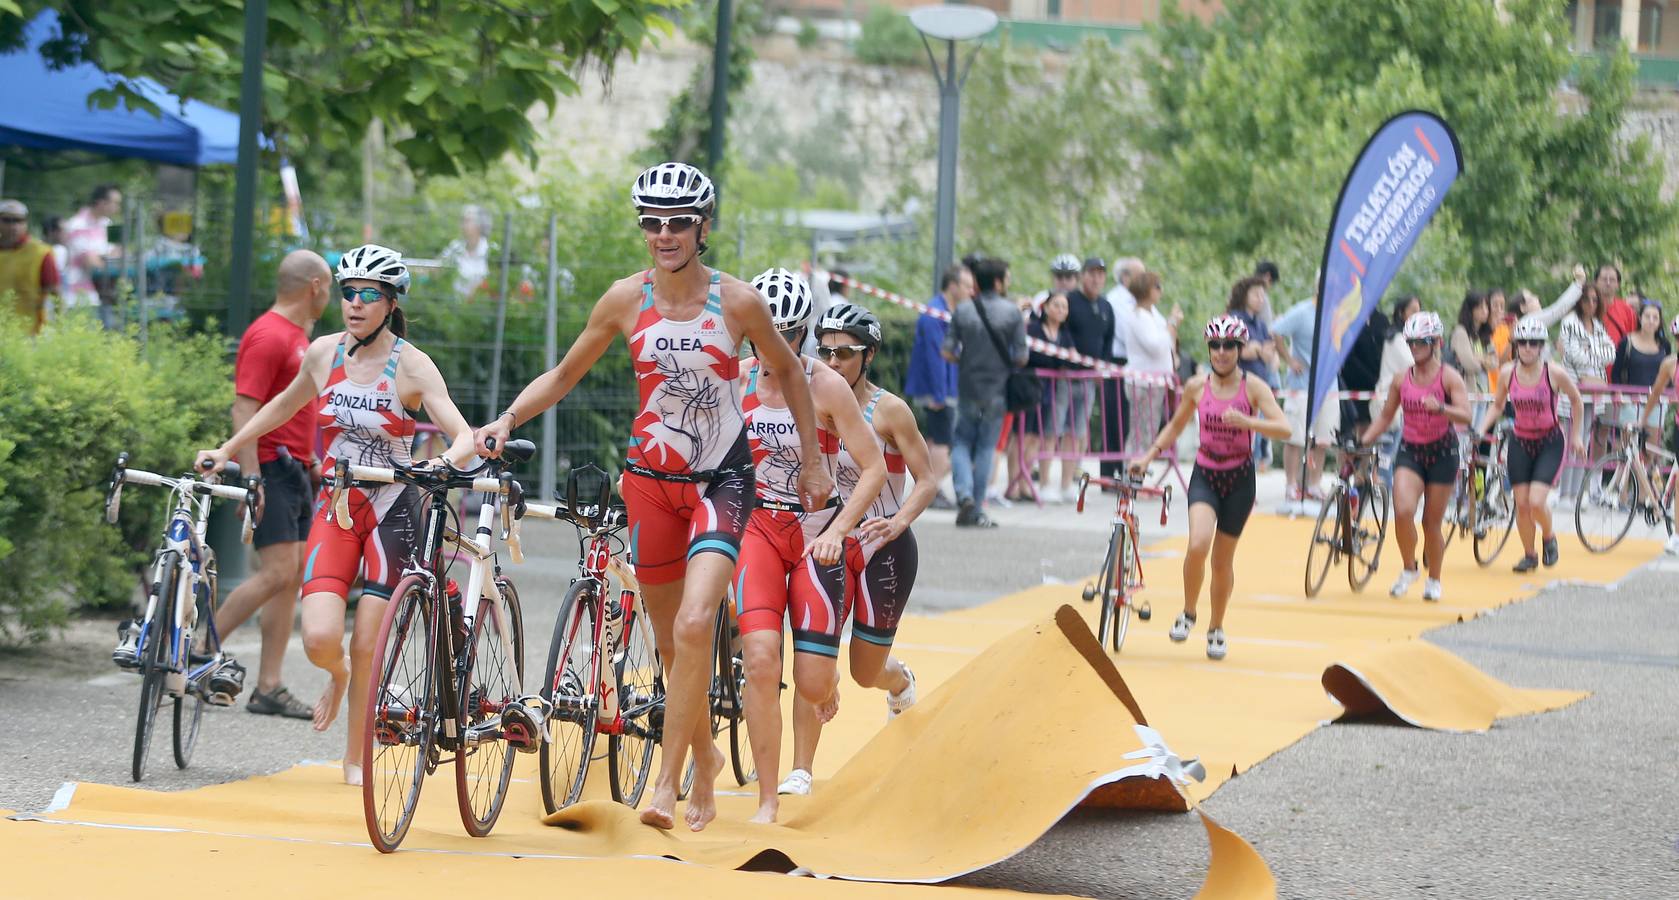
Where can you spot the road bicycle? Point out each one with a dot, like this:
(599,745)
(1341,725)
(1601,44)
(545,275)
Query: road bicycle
(604,674)
(174,646)
(1620,485)
(1121,576)
(1352,524)
(448,666)
(1482,504)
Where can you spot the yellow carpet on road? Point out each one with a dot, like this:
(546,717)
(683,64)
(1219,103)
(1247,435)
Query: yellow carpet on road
(1031,719)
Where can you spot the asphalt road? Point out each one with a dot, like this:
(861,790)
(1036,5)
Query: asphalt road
(1583,802)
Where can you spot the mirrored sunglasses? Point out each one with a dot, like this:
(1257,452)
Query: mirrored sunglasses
(367,295)
(843,353)
(677,224)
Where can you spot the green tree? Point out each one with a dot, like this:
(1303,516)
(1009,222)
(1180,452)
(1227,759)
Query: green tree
(1253,119)
(459,78)
(686,132)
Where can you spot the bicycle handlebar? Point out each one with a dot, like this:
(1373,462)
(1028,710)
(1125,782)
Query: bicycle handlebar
(122,475)
(616,516)
(1127,484)
(346,475)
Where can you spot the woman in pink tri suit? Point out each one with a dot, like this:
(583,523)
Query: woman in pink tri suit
(366,379)
(688,482)
(1434,399)
(1230,409)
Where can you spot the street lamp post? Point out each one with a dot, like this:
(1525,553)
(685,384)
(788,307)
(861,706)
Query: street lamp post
(951,23)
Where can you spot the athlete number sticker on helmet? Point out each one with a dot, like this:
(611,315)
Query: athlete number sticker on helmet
(1424,326)
(1530,328)
(788,296)
(375,263)
(852,319)
(1226,328)
(673,185)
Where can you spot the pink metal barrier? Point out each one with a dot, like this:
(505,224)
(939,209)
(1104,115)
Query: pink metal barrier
(1080,419)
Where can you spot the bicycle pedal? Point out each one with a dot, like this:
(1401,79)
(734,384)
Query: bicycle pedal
(217,698)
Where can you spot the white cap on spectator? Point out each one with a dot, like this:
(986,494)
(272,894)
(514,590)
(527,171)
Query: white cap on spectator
(13,208)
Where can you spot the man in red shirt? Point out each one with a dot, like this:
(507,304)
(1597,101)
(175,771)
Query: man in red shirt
(1619,317)
(269,355)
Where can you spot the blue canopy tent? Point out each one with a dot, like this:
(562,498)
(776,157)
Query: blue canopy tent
(47,109)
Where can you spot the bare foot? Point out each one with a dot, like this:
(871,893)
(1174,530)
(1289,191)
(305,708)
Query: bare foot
(702,800)
(326,709)
(827,709)
(352,774)
(660,812)
(767,809)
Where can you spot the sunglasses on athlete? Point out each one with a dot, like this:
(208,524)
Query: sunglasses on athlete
(1419,342)
(1529,342)
(367,295)
(677,224)
(843,353)
(1224,345)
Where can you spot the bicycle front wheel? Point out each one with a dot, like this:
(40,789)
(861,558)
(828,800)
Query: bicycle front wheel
(1495,513)
(1326,538)
(1125,581)
(1369,529)
(189,708)
(641,708)
(1604,514)
(1105,590)
(401,713)
(732,668)
(564,757)
(154,657)
(491,683)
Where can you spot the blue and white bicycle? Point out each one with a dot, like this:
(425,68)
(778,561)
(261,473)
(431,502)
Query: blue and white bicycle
(174,646)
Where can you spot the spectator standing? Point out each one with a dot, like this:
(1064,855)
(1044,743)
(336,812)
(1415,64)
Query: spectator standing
(269,356)
(1639,356)
(1470,348)
(469,254)
(1050,423)
(987,340)
(1587,355)
(1293,330)
(1150,340)
(1123,301)
(1259,354)
(1063,278)
(931,382)
(1619,317)
(87,238)
(27,268)
(1091,321)
(1363,366)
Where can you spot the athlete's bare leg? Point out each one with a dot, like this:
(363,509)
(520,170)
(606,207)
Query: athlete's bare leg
(762,651)
(689,637)
(1203,523)
(323,641)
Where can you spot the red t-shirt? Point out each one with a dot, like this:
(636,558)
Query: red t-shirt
(1619,319)
(270,354)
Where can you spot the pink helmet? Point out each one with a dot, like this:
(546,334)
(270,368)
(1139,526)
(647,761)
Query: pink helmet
(1226,328)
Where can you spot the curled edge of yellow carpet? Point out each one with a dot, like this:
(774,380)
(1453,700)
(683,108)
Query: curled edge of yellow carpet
(1429,687)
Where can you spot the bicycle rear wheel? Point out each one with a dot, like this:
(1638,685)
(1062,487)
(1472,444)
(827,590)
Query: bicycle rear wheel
(1127,579)
(733,675)
(641,707)
(491,683)
(1105,589)
(189,708)
(1326,537)
(1604,514)
(154,657)
(1495,511)
(564,757)
(401,713)
(1369,530)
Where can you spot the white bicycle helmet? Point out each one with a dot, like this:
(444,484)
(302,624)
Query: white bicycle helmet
(673,185)
(851,319)
(375,263)
(1530,328)
(788,295)
(1065,264)
(1424,326)
(1226,328)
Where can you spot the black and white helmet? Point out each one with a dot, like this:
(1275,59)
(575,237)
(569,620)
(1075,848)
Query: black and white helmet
(851,319)
(1530,328)
(788,295)
(375,263)
(674,185)
(1065,264)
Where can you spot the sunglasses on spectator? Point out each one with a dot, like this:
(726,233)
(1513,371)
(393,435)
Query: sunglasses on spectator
(12,220)
(1419,342)
(677,224)
(1529,342)
(1224,345)
(843,353)
(367,295)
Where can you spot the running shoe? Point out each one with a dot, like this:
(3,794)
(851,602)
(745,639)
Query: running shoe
(897,703)
(1215,644)
(127,653)
(797,783)
(1528,564)
(278,702)
(1551,552)
(1673,545)
(1431,590)
(1180,628)
(1402,584)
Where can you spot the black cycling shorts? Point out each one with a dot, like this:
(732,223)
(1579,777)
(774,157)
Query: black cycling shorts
(1230,492)
(1536,461)
(1435,463)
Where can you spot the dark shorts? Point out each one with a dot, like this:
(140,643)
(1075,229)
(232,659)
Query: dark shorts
(1435,463)
(288,504)
(880,577)
(1536,461)
(941,424)
(1230,492)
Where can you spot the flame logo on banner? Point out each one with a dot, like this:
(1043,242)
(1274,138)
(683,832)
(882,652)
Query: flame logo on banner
(1346,313)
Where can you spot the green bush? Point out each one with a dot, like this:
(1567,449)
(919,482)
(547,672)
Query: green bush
(808,35)
(888,38)
(71,399)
